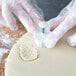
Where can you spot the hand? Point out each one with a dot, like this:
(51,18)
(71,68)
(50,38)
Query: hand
(25,10)
(61,24)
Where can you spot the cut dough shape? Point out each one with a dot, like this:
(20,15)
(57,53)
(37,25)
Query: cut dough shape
(58,61)
(28,53)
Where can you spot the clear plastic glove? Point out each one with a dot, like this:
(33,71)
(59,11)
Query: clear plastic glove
(61,24)
(25,10)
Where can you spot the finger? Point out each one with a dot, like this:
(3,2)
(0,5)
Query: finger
(25,18)
(66,25)
(60,18)
(53,23)
(38,39)
(8,16)
(72,40)
(2,22)
(34,11)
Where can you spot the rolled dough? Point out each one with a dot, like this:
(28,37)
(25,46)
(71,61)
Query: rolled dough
(58,61)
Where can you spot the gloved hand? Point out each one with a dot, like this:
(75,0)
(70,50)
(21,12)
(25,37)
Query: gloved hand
(61,24)
(25,10)
(41,33)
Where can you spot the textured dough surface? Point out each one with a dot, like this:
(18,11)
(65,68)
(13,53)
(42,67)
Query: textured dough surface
(58,61)
(28,53)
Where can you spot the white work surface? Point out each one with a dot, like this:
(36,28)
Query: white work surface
(58,61)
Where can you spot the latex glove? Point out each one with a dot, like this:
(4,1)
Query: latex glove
(63,22)
(25,10)
(29,14)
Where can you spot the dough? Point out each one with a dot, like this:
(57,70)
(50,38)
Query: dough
(58,61)
(28,53)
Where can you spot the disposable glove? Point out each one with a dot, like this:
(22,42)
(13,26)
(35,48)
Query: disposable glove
(65,21)
(25,10)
